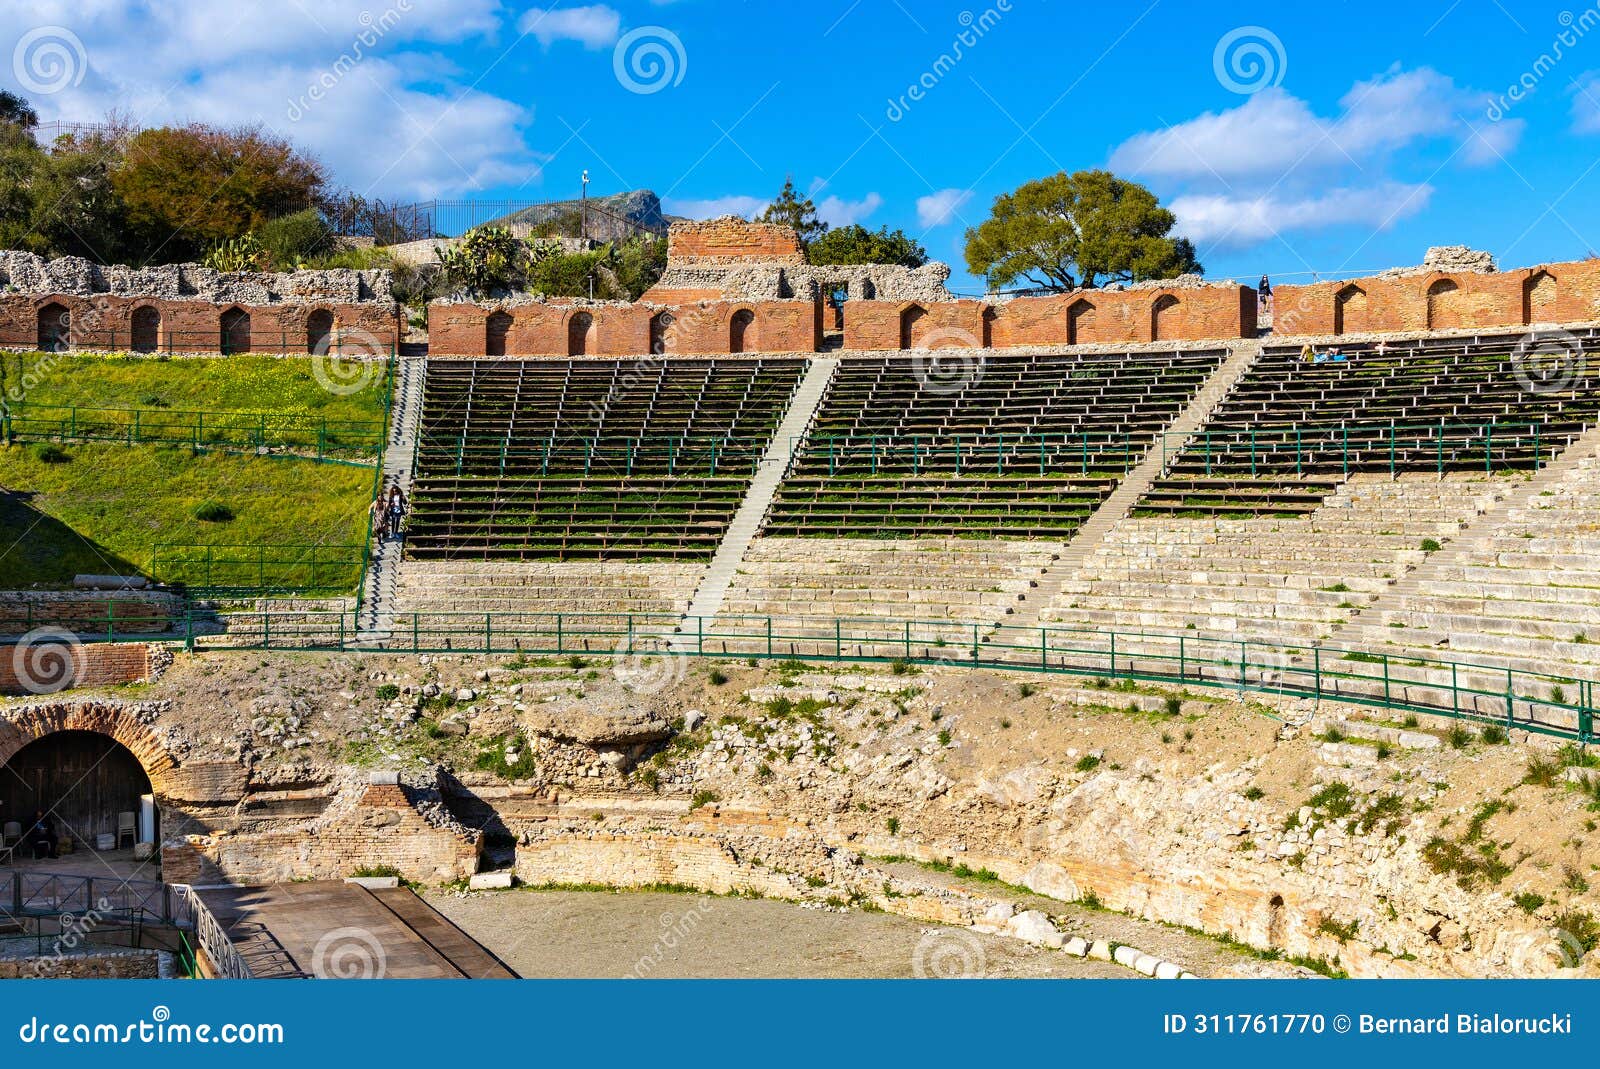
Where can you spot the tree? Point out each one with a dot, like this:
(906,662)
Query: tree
(1081,229)
(855,244)
(796,212)
(189,188)
(17,111)
(295,239)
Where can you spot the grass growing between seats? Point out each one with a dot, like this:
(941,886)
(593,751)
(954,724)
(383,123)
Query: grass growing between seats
(270,384)
(97,509)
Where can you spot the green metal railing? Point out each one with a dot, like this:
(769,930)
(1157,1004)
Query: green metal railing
(1068,453)
(199,428)
(1541,702)
(377,473)
(248,335)
(1437,447)
(260,569)
(464,455)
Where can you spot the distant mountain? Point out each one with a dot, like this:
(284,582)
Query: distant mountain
(610,218)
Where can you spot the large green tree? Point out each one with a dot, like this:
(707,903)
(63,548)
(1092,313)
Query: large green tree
(793,210)
(1081,229)
(855,244)
(17,111)
(188,188)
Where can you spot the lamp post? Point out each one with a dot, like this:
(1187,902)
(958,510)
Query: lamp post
(583,207)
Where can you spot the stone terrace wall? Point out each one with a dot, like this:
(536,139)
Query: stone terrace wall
(190,301)
(1426,299)
(96,664)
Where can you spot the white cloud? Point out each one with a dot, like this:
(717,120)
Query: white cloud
(937,209)
(1228,221)
(1274,134)
(358,83)
(711,208)
(837,212)
(1586,103)
(1273,165)
(593,27)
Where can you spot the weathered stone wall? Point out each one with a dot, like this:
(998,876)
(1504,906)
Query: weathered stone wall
(1425,299)
(732,238)
(1217,312)
(404,828)
(121,611)
(89,965)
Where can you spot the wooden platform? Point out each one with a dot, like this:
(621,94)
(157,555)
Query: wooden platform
(335,930)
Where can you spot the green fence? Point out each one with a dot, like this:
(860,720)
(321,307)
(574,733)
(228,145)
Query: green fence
(1065,454)
(1391,448)
(257,570)
(212,429)
(1544,703)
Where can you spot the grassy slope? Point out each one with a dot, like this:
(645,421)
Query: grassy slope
(105,510)
(234,384)
(109,505)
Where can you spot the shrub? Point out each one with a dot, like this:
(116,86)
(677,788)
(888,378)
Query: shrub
(388,692)
(1458,737)
(213,512)
(893,824)
(1254,793)
(1344,932)
(47,453)
(703,798)
(899,666)
(1430,545)
(1026,690)
(1174,705)
(1542,772)
(1087,763)
(1581,926)
(944,737)
(717,677)
(1493,734)
(1529,901)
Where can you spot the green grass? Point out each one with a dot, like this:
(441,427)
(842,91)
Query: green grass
(105,509)
(234,384)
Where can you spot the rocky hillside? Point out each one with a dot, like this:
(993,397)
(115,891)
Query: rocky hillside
(612,218)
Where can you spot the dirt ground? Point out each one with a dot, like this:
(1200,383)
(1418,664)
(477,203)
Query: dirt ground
(605,934)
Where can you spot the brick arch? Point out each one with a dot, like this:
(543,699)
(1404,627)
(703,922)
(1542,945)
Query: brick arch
(914,326)
(23,724)
(1080,322)
(1350,310)
(582,334)
(1539,293)
(1444,304)
(320,326)
(1164,313)
(742,331)
(144,329)
(54,322)
(496,329)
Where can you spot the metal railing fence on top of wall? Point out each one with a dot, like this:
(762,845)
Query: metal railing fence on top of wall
(1539,702)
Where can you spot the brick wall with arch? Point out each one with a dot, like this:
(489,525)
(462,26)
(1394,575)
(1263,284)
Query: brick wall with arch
(1439,300)
(107,322)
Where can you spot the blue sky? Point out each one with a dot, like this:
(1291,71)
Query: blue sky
(1331,138)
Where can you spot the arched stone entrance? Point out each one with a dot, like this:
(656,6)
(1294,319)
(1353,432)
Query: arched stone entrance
(82,781)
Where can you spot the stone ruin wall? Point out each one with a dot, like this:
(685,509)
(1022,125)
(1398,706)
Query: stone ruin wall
(190,301)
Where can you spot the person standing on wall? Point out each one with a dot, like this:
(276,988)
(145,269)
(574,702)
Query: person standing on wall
(1264,293)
